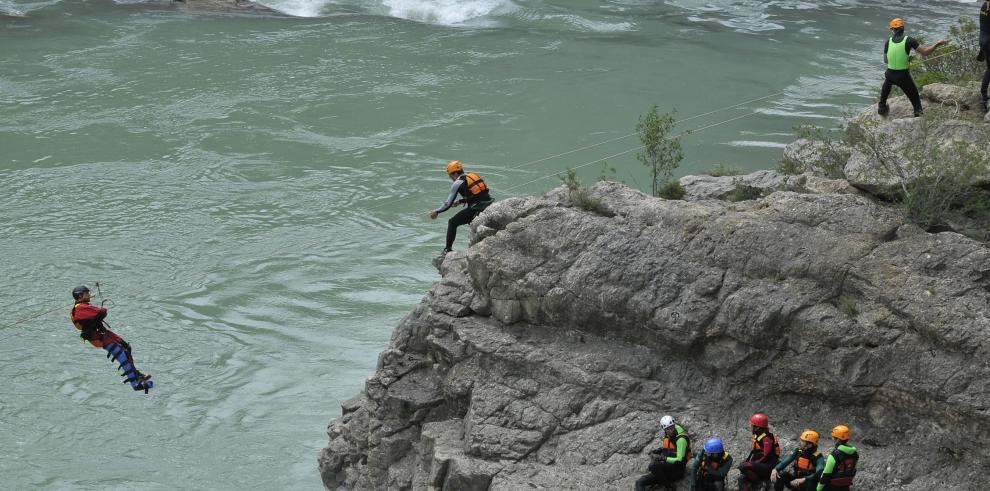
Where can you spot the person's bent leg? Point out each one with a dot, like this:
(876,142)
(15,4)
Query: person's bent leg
(911,91)
(646,480)
(462,217)
(882,108)
(986,77)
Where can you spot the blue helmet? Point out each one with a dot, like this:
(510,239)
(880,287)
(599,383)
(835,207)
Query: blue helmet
(714,446)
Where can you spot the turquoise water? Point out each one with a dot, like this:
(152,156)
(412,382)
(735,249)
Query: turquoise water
(251,190)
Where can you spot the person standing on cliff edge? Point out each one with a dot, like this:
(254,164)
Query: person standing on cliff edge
(896,54)
(474,193)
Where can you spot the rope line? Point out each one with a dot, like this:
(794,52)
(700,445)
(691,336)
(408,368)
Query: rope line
(569,152)
(46,312)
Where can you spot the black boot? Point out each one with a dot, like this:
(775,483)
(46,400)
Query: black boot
(883,109)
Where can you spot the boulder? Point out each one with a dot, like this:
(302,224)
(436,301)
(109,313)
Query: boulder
(819,309)
(759,183)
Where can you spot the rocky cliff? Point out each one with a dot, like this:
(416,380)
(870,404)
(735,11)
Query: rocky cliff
(547,352)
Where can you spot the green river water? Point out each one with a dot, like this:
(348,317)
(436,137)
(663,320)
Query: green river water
(252,191)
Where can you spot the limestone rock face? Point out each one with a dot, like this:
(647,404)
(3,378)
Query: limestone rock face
(548,351)
(759,183)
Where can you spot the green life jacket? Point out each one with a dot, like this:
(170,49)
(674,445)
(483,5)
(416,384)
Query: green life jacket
(897,57)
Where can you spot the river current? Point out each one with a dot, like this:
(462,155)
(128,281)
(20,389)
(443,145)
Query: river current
(251,191)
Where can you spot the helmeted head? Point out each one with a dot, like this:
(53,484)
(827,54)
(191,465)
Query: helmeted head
(454,167)
(897,24)
(810,437)
(667,423)
(841,433)
(713,446)
(759,421)
(79,292)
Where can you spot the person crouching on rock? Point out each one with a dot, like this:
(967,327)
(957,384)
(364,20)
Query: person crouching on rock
(762,458)
(808,465)
(840,466)
(474,193)
(710,468)
(896,54)
(669,459)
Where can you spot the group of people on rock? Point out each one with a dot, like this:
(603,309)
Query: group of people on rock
(805,468)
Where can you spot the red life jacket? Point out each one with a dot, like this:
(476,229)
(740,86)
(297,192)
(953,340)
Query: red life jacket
(844,470)
(757,451)
(87,318)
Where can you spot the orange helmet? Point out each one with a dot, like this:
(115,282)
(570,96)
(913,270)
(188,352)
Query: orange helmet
(841,432)
(810,436)
(897,23)
(454,166)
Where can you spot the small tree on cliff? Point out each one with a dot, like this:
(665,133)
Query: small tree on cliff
(661,155)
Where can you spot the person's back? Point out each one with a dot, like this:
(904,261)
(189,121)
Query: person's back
(897,57)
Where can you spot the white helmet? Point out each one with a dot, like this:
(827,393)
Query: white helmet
(666,422)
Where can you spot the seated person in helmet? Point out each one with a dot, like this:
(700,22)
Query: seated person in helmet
(669,459)
(710,468)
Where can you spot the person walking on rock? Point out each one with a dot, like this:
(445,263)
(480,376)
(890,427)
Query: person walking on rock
(669,459)
(710,468)
(474,193)
(88,319)
(762,458)
(985,50)
(808,462)
(840,466)
(896,54)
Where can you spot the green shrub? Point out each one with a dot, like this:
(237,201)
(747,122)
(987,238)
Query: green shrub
(579,195)
(848,306)
(721,170)
(934,180)
(790,167)
(742,192)
(661,155)
(954,63)
(671,189)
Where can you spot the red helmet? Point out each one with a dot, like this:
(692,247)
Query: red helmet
(759,420)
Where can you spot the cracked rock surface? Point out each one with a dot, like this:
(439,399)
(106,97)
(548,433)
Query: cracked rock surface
(547,352)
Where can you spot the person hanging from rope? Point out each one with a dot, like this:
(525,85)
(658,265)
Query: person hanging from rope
(896,54)
(88,319)
(474,193)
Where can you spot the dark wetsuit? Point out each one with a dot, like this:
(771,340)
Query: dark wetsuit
(901,78)
(985,45)
(669,461)
(761,461)
(803,460)
(475,205)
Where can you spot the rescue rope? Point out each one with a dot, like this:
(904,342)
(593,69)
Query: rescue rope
(619,138)
(40,314)
(551,157)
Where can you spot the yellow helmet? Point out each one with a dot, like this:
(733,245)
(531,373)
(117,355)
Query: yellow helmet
(810,436)
(454,166)
(841,432)
(897,23)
